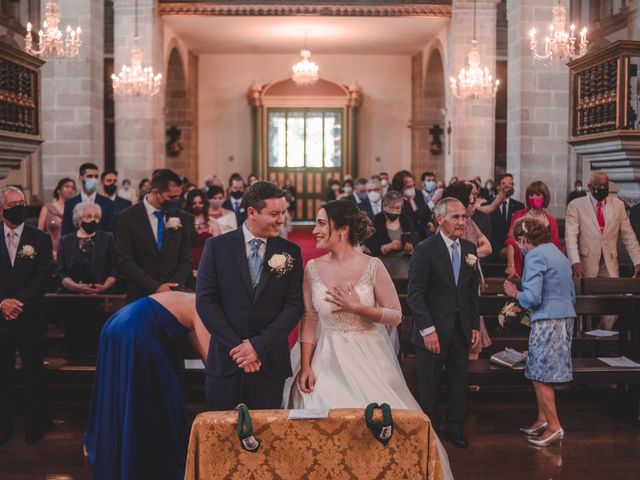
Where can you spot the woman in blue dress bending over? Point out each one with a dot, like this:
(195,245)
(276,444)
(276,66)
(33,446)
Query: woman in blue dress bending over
(138,425)
(548,292)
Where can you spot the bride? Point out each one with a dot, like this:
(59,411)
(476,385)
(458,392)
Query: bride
(347,360)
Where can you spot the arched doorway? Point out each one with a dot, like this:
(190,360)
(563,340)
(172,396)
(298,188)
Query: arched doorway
(306,136)
(180,121)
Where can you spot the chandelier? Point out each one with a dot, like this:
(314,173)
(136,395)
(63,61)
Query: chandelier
(136,80)
(51,43)
(305,72)
(474,82)
(559,44)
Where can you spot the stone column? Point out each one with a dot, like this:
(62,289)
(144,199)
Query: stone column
(538,106)
(139,120)
(73,98)
(473,122)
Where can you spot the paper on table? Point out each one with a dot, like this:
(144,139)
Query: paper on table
(193,364)
(307,413)
(602,333)
(619,362)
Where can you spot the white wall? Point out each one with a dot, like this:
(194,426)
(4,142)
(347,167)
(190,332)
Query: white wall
(224,117)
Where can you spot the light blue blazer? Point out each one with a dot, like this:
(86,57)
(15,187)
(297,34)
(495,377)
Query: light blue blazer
(547,284)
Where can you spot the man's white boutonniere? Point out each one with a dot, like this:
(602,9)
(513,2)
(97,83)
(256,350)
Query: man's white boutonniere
(173,223)
(472,260)
(281,263)
(27,251)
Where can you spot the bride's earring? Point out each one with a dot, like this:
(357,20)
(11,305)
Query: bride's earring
(341,235)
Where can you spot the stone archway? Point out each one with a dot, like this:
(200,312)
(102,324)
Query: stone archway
(434,102)
(180,118)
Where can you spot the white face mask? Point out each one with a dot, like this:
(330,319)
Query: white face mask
(410,192)
(374,196)
(579,188)
(347,189)
(384,183)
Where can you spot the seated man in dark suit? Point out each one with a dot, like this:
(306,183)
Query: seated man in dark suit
(414,205)
(360,196)
(89,193)
(25,268)
(109,181)
(501,217)
(153,241)
(234,202)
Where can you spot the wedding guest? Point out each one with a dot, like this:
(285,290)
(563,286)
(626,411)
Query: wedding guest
(361,197)
(482,219)
(153,242)
(290,188)
(25,270)
(548,292)
(332,191)
(251,179)
(88,176)
(429,186)
(109,181)
(138,426)
(234,202)
(537,199)
(226,219)
(443,297)
(50,219)
(127,191)
(374,193)
(144,184)
(384,181)
(577,192)
(501,217)
(205,226)
(346,190)
(414,205)
(86,264)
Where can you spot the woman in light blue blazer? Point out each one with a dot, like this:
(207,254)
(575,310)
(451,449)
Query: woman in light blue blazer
(548,292)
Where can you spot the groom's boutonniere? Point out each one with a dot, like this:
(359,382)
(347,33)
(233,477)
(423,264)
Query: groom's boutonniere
(27,251)
(173,223)
(281,263)
(472,260)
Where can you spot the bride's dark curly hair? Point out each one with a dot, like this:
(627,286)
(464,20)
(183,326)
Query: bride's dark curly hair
(346,213)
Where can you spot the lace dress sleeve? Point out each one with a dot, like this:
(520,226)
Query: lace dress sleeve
(386,295)
(309,324)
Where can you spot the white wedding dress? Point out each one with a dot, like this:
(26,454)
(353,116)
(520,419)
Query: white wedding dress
(353,361)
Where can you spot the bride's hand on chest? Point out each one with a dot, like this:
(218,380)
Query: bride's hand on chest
(344,299)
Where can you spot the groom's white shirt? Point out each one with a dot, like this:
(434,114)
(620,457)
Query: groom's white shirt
(248,236)
(153,220)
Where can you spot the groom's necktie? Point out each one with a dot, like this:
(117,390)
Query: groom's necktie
(455,261)
(160,216)
(255,262)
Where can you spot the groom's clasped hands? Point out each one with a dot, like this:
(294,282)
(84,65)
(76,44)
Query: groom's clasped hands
(246,357)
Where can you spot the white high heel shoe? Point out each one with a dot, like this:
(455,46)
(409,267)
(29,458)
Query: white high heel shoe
(534,432)
(557,435)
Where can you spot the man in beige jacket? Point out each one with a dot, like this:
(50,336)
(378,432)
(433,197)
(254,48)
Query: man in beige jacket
(593,224)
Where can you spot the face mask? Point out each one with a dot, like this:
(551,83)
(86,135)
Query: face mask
(215,204)
(196,210)
(374,196)
(578,188)
(600,193)
(15,215)
(410,192)
(384,183)
(90,185)
(237,194)
(509,192)
(110,189)
(489,186)
(430,186)
(335,187)
(126,187)
(536,202)
(392,216)
(347,189)
(89,227)
(362,195)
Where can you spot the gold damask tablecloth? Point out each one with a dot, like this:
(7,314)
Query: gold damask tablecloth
(338,447)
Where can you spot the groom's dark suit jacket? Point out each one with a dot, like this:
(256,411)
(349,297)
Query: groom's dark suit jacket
(26,281)
(232,311)
(433,296)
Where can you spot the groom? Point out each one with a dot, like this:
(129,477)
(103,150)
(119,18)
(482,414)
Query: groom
(443,297)
(249,296)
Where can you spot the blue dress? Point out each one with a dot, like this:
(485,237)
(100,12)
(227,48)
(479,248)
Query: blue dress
(137,418)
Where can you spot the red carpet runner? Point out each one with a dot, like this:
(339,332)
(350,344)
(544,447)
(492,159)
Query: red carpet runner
(307,243)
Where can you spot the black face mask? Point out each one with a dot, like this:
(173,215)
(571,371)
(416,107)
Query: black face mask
(600,193)
(392,216)
(89,227)
(171,206)
(110,189)
(237,194)
(509,192)
(16,215)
